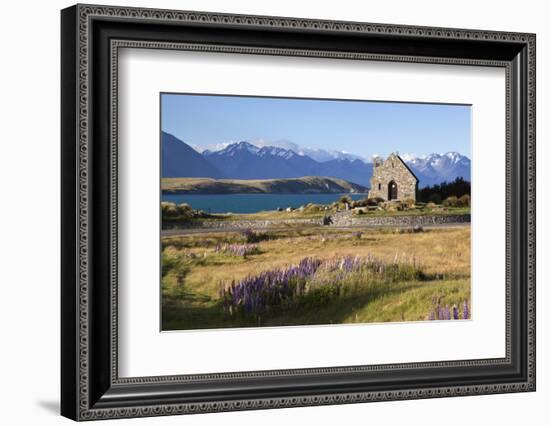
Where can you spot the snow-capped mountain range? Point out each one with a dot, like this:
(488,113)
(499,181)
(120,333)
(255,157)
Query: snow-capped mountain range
(243,160)
(285,159)
(317,154)
(436,168)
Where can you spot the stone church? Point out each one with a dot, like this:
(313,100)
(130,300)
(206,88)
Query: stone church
(392,180)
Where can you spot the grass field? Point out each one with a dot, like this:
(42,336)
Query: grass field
(336,276)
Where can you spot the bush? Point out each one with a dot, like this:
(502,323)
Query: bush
(451,201)
(185,209)
(464,201)
(313,208)
(345,199)
(431,206)
(168,209)
(393,206)
(251,236)
(373,202)
(410,203)
(181,212)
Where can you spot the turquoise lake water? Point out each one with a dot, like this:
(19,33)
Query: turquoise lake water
(251,203)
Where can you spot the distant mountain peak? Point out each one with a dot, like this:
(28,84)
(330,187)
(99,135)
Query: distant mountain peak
(276,151)
(180,160)
(244,145)
(233,148)
(436,168)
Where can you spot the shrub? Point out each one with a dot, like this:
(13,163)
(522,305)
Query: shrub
(313,208)
(451,201)
(345,199)
(393,206)
(254,237)
(168,209)
(373,202)
(431,206)
(414,230)
(180,212)
(410,203)
(464,201)
(185,210)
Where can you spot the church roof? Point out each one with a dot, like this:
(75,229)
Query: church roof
(404,163)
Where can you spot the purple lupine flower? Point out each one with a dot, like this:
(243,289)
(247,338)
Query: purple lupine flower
(465,311)
(249,234)
(455,312)
(254,294)
(440,312)
(446,313)
(242,250)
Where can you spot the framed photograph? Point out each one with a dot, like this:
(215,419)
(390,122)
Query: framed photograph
(263,212)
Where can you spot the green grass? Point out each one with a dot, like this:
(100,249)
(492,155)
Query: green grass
(195,270)
(401,301)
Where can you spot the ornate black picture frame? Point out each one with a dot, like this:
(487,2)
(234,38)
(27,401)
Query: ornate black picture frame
(91,36)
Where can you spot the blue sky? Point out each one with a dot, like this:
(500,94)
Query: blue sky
(362,128)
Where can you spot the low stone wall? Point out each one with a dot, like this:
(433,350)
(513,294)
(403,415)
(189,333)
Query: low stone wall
(400,220)
(338,220)
(244,224)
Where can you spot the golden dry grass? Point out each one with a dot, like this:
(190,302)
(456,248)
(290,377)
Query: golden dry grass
(442,253)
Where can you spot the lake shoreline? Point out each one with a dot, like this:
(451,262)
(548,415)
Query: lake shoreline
(251,203)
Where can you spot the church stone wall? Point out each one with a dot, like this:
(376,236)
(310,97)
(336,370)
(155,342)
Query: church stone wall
(393,169)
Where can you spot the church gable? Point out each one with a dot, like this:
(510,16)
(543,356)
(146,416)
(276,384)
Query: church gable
(392,180)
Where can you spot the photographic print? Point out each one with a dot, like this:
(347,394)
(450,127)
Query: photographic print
(294,212)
